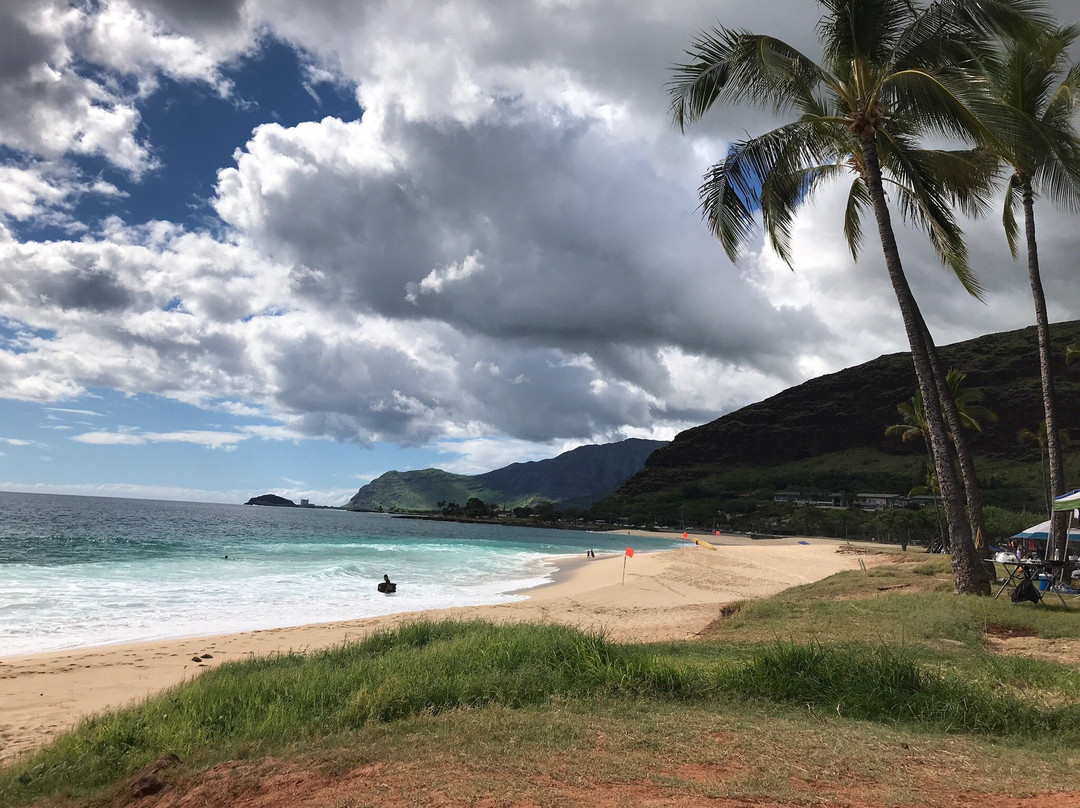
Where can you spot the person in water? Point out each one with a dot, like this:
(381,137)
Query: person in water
(386,586)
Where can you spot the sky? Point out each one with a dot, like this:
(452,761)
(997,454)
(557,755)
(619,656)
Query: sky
(253,246)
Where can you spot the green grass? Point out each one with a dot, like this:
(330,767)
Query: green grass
(917,669)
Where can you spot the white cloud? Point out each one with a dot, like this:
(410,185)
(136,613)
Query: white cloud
(71,81)
(437,279)
(502,257)
(328,496)
(70,411)
(208,438)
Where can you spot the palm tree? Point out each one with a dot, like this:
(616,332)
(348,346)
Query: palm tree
(1041,438)
(890,75)
(970,413)
(1033,80)
(964,410)
(1038,437)
(913,421)
(930,486)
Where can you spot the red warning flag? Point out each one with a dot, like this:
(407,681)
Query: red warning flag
(629,552)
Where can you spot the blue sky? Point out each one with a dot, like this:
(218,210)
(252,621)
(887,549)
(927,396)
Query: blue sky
(254,245)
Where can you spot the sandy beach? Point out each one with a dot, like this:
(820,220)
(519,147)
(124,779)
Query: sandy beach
(666,596)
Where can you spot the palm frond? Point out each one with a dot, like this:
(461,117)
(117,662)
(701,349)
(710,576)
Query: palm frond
(941,102)
(924,200)
(1004,19)
(938,38)
(858,200)
(774,172)
(1008,215)
(729,216)
(863,30)
(1058,178)
(729,66)
(804,158)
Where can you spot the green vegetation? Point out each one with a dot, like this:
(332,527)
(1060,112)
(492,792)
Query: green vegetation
(828,435)
(882,653)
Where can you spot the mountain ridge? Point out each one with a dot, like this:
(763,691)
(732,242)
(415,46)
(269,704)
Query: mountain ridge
(576,478)
(828,434)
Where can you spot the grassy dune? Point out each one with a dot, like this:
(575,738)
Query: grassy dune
(849,683)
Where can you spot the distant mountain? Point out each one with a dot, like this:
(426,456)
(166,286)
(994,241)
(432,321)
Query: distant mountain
(828,435)
(575,478)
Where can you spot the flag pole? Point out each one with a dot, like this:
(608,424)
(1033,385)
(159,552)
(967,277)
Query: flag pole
(624,569)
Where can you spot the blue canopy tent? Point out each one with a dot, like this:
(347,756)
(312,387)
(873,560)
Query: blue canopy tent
(1041,531)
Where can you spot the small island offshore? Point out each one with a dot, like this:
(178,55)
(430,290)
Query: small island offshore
(273,500)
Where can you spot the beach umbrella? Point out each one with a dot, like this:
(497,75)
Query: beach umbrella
(1041,532)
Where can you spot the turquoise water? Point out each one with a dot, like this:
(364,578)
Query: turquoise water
(83,571)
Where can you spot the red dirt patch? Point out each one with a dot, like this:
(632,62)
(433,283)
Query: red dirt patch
(998,630)
(392,785)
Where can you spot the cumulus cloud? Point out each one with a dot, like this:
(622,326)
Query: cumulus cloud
(71,80)
(501,257)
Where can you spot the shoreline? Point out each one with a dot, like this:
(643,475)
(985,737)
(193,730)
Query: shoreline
(667,596)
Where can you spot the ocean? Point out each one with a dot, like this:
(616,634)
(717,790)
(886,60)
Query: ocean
(86,571)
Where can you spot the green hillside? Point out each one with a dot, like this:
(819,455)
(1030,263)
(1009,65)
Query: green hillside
(828,435)
(575,478)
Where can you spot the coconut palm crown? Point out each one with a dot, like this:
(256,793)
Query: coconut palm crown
(891,71)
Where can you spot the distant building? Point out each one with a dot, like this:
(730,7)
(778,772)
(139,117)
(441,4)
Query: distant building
(878,502)
(305,504)
(924,501)
(797,498)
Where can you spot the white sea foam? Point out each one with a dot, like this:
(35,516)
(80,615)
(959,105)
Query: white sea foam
(78,572)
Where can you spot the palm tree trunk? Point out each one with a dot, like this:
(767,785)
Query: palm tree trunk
(1058,540)
(968,575)
(963,453)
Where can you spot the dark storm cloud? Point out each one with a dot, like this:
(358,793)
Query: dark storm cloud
(20,47)
(518,242)
(205,17)
(92,289)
